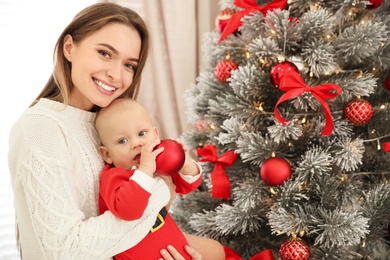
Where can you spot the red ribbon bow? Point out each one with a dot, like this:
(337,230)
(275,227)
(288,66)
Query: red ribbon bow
(263,255)
(250,7)
(293,83)
(386,147)
(219,178)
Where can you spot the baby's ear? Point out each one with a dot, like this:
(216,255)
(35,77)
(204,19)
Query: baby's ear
(156,131)
(105,154)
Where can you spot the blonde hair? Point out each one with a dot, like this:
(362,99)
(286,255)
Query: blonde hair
(86,22)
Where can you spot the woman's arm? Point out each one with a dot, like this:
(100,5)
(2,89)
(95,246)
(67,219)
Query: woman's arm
(56,194)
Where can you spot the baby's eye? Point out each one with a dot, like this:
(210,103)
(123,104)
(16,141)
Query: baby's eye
(104,53)
(142,133)
(122,141)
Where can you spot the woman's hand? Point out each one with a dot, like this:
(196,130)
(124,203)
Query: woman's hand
(171,254)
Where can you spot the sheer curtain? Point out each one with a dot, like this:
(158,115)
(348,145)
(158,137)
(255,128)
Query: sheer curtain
(176,27)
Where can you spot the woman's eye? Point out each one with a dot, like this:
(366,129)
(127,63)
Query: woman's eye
(122,141)
(131,66)
(104,54)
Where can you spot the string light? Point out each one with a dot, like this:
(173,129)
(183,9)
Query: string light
(273,192)
(247,53)
(359,73)
(258,105)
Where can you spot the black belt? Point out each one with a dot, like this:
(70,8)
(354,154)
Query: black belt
(159,221)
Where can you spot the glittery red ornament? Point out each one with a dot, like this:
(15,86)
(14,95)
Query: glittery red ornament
(387,83)
(223,18)
(374,4)
(171,160)
(358,112)
(275,170)
(280,69)
(294,249)
(223,69)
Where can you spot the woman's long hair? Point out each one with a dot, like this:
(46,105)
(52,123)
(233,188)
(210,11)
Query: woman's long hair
(86,22)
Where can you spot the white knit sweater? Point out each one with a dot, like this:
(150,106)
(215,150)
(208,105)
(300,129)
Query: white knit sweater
(55,167)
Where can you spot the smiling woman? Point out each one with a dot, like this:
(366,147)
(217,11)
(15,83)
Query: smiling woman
(29,30)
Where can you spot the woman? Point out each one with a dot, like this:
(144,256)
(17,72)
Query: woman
(53,157)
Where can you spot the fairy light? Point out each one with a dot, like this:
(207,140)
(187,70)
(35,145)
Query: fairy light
(211,126)
(262,61)
(301,233)
(247,53)
(378,145)
(363,243)
(273,154)
(359,73)
(273,192)
(303,120)
(281,58)
(382,106)
(343,178)
(258,105)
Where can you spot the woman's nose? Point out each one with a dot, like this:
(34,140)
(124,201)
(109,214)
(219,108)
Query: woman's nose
(114,72)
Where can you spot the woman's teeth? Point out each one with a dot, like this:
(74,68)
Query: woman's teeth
(104,86)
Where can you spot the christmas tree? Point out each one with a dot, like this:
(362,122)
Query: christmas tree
(291,120)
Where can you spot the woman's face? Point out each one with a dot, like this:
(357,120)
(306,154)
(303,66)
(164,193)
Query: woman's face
(103,65)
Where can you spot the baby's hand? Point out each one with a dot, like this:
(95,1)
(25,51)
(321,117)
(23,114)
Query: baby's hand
(148,158)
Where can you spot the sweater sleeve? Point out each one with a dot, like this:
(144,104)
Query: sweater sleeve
(52,213)
(183,186)
(124,197)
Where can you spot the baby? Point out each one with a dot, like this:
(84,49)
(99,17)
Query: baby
(128,138)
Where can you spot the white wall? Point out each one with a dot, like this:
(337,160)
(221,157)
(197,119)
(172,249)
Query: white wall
(28,33)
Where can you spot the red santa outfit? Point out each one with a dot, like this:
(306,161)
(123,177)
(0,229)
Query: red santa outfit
(126,194)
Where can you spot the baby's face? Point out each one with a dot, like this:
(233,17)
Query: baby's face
(125,133)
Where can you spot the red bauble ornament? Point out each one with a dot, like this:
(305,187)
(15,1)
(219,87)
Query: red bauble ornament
(387,83)
(171,160)
(358,112)
(223,70)
(223,18)
(280,69)
(374,4)
(294,249)
(275,170)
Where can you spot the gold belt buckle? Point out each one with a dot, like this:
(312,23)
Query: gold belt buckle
(162,222)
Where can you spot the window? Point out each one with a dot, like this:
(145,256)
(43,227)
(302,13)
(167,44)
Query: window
(29,31)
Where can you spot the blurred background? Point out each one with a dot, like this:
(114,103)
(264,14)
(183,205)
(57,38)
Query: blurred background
(29,31)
